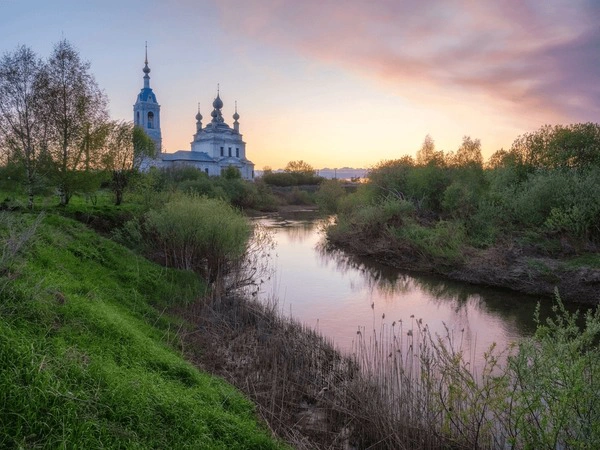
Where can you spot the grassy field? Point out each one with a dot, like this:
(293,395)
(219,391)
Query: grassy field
(88,360)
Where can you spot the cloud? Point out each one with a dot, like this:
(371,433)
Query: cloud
(524,55)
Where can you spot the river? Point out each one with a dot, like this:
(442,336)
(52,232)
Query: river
(339,294)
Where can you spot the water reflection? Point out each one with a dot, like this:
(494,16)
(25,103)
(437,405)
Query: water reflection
(389,283)
(339,293)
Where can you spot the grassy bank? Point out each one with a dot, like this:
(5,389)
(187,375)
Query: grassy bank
(89,360)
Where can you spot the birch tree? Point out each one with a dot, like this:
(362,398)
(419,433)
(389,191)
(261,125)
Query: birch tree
(23,125)
(126,146)
(76,109)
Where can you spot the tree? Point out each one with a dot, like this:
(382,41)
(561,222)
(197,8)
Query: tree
(426,152)
(301,168)
(427,155)
(469,153)
(76,109)
(328,195)
(576,145)
(126,146)
(231,173)
(22,125)
(559,146)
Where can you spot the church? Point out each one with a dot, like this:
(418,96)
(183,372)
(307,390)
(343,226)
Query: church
(215,147)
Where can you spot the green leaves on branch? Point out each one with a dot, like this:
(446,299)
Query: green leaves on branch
(554,377)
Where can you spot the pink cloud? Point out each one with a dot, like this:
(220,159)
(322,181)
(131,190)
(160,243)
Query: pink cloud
(523,54)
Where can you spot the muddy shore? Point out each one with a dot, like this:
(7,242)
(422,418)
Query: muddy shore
(500,266)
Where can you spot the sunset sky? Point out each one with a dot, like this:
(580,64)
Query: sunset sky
(335,83)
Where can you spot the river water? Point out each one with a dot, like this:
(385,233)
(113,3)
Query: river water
(339,294)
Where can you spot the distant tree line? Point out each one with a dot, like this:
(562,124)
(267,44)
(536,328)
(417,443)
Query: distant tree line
(296,173)
(55,132)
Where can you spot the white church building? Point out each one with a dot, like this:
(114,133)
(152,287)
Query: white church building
(215,147)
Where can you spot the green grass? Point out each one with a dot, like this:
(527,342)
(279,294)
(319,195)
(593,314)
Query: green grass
(591,260)
(88,360)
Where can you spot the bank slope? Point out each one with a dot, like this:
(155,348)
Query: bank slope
(87,360)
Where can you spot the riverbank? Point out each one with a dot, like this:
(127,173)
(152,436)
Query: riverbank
(506,266)
(89,359)
(96,338)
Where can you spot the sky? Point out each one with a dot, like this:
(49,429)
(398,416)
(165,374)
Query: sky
(334,83)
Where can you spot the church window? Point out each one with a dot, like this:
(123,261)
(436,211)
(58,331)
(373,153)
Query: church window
(237,152)
(230,151)
(150,119)
(138,118)
(222,151)
(206,170)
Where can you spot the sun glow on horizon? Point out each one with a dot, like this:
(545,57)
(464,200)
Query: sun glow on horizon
(335,84)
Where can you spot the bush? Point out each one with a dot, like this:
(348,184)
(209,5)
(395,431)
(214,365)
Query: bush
(283,179)
(372,219)
(198,233)
(555,383)
(445,241)
(329,194)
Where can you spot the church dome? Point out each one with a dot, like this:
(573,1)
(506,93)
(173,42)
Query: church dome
(236,116)
(218,103)
(198,116)
(214,113)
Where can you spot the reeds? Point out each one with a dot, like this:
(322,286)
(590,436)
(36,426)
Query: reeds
(423,391)
(402,386)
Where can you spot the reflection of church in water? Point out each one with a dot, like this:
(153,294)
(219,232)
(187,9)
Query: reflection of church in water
(214,148)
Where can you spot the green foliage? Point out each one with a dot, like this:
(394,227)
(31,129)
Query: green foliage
(372,219)
(560,201)
(461,199)
(12,177)
(554,376)
(329,194)
(468,154)
(445,241)
(198,233)
(585,260)
(561,146)
(126,146)
(231,173)
(390,177)
(548,184)
(290,179)
(76,110)
(426,185)
(88,362)
(230,187)
(296,173)
(365,194)
(541,393)
(143,146)
(300,167)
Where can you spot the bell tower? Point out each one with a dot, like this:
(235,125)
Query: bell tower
(146,111)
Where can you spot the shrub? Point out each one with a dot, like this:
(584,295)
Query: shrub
(329,194)
(445,241)
(554,377)
(197,233)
